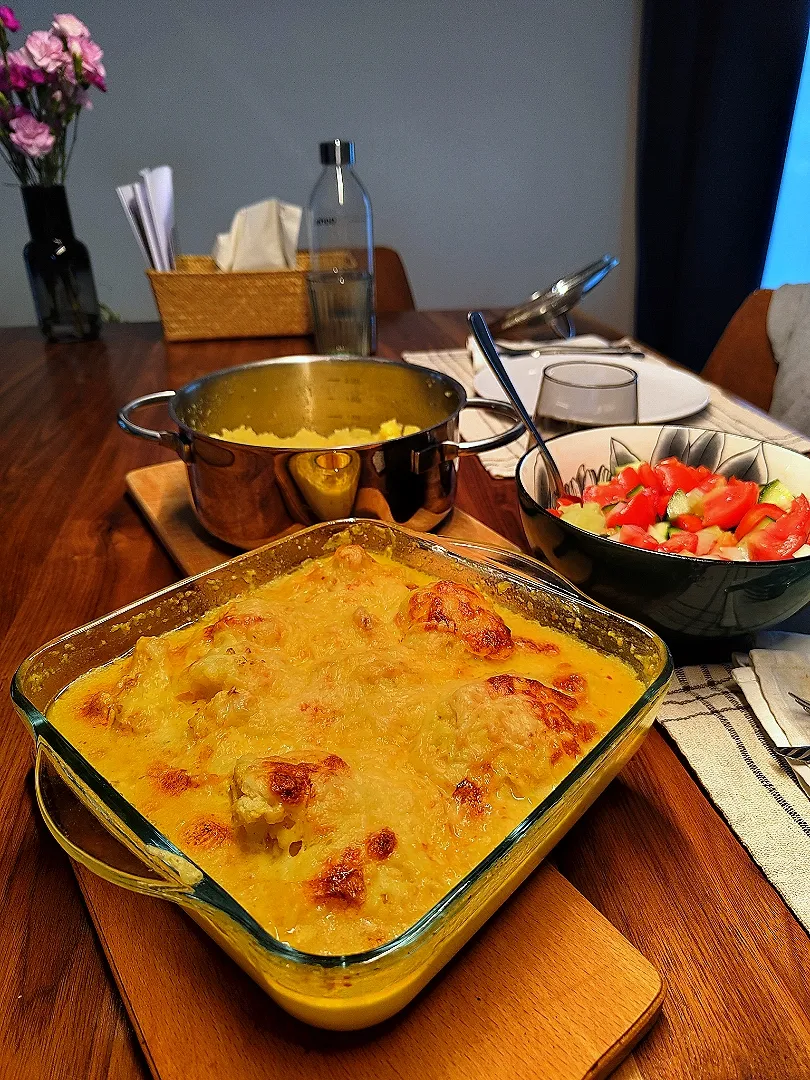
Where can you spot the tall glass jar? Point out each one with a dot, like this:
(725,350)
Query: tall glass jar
(341,252)
(59,268)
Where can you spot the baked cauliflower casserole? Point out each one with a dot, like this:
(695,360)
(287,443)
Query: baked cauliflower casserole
(339,747)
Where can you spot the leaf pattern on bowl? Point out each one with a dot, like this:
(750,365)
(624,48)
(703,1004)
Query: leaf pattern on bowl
(672,442)
(705,449)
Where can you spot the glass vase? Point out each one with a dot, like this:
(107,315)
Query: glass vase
(59,268)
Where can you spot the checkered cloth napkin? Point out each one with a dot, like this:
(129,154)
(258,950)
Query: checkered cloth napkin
(723,413)
(764,800)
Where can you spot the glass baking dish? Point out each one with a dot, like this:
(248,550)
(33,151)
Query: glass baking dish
(339,992)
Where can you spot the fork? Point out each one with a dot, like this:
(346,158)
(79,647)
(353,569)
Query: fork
(795,754)
(583,350)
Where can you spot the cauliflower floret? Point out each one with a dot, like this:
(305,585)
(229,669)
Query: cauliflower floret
(448,608)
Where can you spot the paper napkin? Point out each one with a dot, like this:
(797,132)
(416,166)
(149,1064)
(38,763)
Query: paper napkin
(263,236)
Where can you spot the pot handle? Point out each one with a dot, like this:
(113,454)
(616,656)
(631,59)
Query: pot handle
(422,460)
(169,439)
(170,887)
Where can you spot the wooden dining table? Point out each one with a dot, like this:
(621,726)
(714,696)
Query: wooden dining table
(652,854)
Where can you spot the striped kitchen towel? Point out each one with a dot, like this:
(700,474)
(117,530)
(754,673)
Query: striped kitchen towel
(763,800)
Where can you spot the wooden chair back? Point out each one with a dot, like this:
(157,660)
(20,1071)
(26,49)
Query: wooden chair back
(392,285)
(742,360)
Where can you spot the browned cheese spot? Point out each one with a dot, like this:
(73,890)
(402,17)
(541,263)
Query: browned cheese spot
(469,794)
(571,684)
(545,648)
(174,781)
(341,883)
(380,845)
(551,706)
(97,709)
(447,607)
(290,782)
(207,834)
(333,763)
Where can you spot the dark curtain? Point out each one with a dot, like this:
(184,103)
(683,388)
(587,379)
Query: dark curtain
(718,85)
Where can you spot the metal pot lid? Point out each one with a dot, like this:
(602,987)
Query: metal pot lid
(544,307)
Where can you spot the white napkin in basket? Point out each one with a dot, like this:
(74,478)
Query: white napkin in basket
(263,236)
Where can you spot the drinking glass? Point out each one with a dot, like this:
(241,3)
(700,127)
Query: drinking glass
(342,311)
(579,394)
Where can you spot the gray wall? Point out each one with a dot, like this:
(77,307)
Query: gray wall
(496,142)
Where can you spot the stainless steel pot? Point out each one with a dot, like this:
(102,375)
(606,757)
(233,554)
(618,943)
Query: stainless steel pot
(246,495)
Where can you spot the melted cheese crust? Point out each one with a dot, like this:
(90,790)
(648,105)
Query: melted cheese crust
(340,746)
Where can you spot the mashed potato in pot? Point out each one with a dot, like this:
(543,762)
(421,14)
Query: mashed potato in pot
(305,438)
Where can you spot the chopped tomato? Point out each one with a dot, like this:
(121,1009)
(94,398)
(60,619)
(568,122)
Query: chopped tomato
(711,482)
(649,477)
(628,479)
(682,541)
(674,474)
(780,539)
(556,513)
(661,504)
(690,522)
(635,536)
(755,515)
(727,506)
(568,500)
(640,510)
(604,494)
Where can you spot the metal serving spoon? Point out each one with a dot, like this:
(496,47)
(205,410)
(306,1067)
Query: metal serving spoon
(487,346)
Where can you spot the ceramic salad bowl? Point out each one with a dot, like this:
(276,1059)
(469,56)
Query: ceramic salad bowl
(677,595)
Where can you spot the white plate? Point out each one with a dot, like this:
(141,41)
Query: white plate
(664,392)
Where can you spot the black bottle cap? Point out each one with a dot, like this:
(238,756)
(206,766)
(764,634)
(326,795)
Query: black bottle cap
(337,152)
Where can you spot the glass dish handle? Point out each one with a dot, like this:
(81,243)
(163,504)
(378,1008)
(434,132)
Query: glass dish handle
(523,564)
(63,810)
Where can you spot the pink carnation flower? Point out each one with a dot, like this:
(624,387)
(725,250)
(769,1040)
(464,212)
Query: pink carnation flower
(46,50)
(22,71)
(89,68)
(9,19)
(30,135)
(68,26)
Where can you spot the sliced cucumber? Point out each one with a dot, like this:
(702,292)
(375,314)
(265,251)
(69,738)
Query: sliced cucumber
(636,490)
(695,499)
(735,554)
(803,550)
(659,531)
(775,492)
(586,516)
(678,504)
(629,465)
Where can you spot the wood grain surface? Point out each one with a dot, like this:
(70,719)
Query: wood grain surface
(162,494)
(548,990)
(652,854)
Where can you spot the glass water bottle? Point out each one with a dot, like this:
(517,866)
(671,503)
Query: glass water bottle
(341,252)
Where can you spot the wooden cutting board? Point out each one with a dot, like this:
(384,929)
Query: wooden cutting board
(547,990)
(161,491)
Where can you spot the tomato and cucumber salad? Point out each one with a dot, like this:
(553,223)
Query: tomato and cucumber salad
(689,510)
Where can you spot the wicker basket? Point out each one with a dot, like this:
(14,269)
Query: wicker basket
(197,301)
